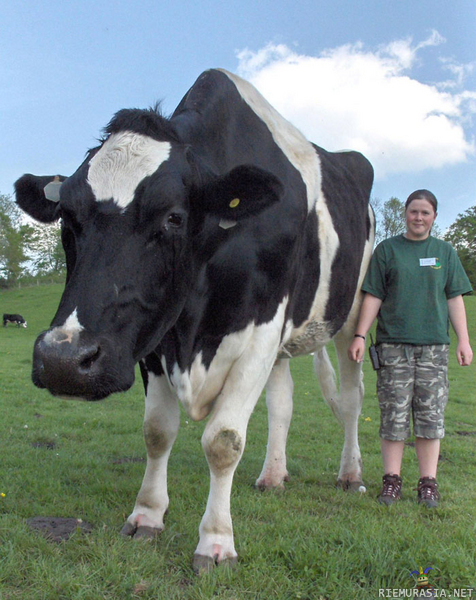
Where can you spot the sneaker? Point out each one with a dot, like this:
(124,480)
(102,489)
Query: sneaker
(428,493)
(391,490)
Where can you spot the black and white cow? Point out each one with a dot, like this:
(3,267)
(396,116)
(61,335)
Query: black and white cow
(212,247)
(17,319)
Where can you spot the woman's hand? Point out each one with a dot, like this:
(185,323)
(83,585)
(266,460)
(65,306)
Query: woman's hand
(464,354)
(356,350)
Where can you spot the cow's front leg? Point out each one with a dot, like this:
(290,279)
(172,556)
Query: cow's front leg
(223,442)
(279,401)
(161,422)
(223,449)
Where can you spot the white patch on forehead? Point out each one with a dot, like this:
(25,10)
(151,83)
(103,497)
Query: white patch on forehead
(124,160)
(297,149)
(65,332)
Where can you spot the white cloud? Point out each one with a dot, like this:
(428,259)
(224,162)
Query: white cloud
(352,98)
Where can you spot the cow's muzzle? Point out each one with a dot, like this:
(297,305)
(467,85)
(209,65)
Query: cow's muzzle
(79,365)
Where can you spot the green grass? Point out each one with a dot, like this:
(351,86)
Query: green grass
(312,541)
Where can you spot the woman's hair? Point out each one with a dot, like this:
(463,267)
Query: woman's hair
(423,195)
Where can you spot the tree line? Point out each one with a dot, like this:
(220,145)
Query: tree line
(29,250)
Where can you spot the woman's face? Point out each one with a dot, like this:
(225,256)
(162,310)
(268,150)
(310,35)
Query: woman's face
(420,217)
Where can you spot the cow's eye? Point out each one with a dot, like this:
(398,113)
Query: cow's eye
(175,220)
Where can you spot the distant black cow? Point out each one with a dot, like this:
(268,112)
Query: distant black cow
(211,247)
(18,319)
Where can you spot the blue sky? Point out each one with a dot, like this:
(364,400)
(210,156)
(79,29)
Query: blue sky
(394,79)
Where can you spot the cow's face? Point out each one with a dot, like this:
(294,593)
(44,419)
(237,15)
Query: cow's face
(127,230)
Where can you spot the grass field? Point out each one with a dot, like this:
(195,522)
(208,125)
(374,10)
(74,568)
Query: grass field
(312,541)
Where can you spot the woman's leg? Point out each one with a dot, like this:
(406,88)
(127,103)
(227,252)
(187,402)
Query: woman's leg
(392,454)
(427,451)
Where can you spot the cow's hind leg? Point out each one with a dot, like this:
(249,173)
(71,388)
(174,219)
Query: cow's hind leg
(279,401)
(161,422)
(346,406)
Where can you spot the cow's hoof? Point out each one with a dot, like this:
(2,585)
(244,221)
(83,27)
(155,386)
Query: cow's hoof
(142,532)
(128,530)
(205,564)
(263,487)
(352,486)
(270,484)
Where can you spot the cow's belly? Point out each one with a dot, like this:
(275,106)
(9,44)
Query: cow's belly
(305,339)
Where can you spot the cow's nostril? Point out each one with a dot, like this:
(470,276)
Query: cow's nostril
(89,358)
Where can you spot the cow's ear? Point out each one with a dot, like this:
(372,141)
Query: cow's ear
(242,192)
(39,196)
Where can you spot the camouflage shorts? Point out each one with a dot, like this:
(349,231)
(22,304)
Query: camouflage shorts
(412,379)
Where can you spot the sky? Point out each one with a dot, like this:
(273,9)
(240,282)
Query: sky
(393,79)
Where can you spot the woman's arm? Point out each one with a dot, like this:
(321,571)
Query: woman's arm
(457,314)
(368,313)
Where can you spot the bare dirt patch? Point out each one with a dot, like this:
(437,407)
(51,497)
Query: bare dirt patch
(58,529)
(48,444)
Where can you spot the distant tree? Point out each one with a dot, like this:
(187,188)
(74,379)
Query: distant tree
(393,214)
(10,210)
(46,250)
(390,218)
(462,234)
(27,248)
(13,236)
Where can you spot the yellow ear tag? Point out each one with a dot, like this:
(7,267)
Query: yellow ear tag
(234,203)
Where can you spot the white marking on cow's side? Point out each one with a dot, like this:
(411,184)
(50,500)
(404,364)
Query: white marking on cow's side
(328,246)
(124,160)
(353,315)
(315,330)
(66,332)
(297,149)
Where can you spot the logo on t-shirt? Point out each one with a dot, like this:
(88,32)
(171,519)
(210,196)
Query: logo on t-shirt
(433,262)
(437,264)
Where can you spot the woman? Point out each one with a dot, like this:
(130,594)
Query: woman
(414,284)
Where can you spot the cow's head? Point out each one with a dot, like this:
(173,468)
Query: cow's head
(132,216)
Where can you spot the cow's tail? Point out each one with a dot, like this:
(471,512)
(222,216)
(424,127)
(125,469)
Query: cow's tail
(326,376)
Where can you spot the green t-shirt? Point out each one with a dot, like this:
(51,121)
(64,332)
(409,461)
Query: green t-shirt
(414,280)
